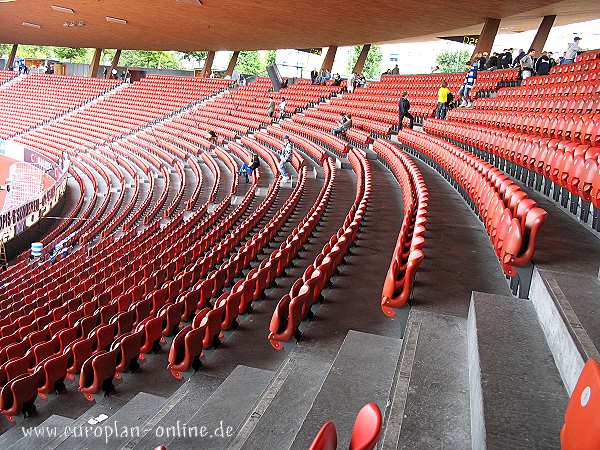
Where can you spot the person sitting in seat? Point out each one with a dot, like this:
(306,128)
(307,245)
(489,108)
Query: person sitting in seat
(247,169)
(337,80)
(344,125)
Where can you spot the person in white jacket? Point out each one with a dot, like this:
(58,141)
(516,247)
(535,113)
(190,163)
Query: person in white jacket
(282,108)
(350,83)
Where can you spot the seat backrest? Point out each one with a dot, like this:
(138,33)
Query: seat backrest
(326,438)
(581,429)
(367,427)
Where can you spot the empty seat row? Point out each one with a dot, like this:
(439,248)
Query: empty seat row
(408,252)
(511,219)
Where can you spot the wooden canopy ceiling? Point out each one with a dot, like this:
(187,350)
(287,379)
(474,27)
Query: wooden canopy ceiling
(254,24)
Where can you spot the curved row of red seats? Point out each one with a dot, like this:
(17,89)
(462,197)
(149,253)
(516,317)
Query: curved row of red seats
(408,252)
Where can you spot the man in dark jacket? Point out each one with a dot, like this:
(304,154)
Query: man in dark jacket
(542,65)
(492,62)
(517,60)
(505,59)
(404,107)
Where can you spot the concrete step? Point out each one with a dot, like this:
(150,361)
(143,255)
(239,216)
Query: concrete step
(45,432)
(430,402)
(362,372)
(184,403)
(114,431)
(219,418)
(517,396)
(567,307)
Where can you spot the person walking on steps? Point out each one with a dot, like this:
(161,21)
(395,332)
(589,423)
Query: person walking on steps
(465,90)
(442,105)
(404,111)
(284,158)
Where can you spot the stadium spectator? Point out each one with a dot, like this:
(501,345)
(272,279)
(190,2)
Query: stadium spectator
(517,59)
(284,158)
(483,59)
(468,84)
(572,50)
(396,70)
(344,125)
(212,138)
(361,81)
(505,59)
(561,60)
(552,60)
(443,100)
(350,82)
(282,108)
(284,83)
(492,62)
(313,76)
(271,108)
(526,64)
(247,169)
(404,111)
(337,80)
(542,65)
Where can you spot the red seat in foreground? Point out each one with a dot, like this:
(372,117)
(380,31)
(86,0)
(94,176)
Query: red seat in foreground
(365,432)
(581,430)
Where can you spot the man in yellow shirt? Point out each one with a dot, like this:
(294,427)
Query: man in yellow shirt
(442,105)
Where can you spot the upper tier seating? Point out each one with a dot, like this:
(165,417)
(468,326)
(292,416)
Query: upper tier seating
(378,101)
(128,109)
(545,132)
(36,99)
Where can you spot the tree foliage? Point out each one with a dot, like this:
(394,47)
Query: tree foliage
(5,49)
(149,58)
(271,57)
(372,67)
(197,56)
(74,55)
(249,63)
(452,60)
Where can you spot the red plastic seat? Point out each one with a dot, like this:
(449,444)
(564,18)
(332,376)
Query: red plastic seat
(326,439)
(581,429)
(97,374)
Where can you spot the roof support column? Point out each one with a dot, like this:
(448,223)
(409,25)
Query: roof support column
(11,57)
(114,63)
(362,58)
(329,58)
(542,34)
(487,36)
(232,63)
(207,69)
(93,72)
